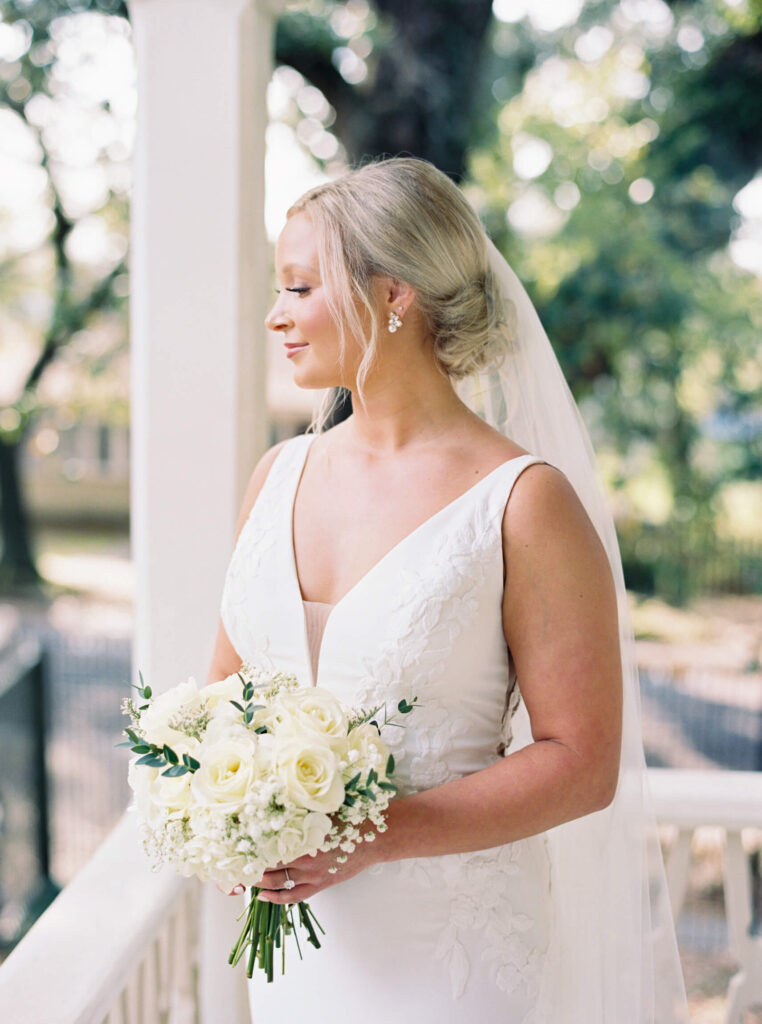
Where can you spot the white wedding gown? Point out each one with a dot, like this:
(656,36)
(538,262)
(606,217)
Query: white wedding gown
(456,939)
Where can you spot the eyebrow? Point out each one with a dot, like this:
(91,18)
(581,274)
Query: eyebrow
(298,266)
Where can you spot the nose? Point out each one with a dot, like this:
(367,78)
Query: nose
(277,319)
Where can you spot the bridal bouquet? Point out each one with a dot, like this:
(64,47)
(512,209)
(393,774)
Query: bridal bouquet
(251,772)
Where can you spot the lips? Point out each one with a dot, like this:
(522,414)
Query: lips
(293,347)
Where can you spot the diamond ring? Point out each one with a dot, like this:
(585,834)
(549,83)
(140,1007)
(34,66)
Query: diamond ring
(289,883)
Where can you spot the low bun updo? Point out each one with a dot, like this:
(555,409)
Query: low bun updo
(404,219)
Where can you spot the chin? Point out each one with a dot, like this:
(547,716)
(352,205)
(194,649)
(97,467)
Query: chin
(314,380)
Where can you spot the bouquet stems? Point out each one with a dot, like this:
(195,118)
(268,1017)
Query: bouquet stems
(265,930)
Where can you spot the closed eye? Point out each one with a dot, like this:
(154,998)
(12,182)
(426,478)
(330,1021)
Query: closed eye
(299,291)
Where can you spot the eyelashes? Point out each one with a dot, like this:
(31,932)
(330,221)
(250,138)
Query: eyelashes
(299,291)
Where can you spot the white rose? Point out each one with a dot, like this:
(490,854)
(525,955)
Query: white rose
(230,688)
(230,766)
(154,720)
(365,749)
(173,793)
(309,770)
(316,709)
(303,834)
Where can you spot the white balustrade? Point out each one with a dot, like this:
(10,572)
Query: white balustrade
(731,801)
(118,946)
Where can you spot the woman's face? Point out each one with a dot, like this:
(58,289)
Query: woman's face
(301,315)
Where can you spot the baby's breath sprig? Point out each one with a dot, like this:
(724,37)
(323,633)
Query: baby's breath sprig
(129,707)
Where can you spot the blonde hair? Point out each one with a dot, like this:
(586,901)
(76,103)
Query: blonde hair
(404,219)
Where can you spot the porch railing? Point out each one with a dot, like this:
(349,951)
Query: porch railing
(120,945)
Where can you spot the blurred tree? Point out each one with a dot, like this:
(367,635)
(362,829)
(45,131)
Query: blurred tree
(421,93)
(617,165)
(615,144)
(75,296)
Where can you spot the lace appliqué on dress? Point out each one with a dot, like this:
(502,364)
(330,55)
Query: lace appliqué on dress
(435,603)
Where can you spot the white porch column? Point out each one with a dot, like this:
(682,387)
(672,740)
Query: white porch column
(199,289)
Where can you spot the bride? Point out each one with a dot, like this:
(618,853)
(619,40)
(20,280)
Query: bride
(448,541)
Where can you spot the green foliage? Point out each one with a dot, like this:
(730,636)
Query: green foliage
(656,329)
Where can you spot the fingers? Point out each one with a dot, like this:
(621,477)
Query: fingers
(285,896)
(235,891)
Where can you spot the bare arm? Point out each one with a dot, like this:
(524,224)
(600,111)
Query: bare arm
(560,623)
(225,658)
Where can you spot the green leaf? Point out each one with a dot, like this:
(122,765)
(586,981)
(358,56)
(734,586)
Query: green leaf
(147,691)
(237,705)
(142,748)
(176,769)
(248,714)
(152,760)
(191,762)
(390,764)
(170,755)
(353,781)
(127,743)
(261,728)
(133,735)
(403,707)
(350,800)
(388,786)
(372,777)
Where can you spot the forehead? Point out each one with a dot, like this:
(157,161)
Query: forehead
(297,245)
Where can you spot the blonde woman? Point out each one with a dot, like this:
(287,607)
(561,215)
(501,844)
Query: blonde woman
(418,549)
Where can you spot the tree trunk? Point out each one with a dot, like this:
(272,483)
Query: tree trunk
(17,567)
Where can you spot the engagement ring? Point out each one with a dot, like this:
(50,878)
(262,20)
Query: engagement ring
(289,883)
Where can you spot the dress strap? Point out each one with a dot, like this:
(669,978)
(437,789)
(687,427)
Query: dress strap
(504,480)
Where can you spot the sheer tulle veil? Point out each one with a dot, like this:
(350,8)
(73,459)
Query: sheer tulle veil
(613,956)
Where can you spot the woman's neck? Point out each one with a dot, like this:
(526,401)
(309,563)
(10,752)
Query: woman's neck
(407,410)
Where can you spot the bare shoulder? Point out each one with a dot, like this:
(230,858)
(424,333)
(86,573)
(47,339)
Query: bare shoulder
(256,482)
(544,519)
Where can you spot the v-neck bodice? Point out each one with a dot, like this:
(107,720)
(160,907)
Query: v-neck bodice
(425,620)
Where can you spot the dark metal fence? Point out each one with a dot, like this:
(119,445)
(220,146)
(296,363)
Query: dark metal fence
(678,564)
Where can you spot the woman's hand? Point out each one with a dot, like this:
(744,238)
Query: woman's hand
(313,874)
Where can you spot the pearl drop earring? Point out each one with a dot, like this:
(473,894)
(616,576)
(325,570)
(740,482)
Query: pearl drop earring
(394,322)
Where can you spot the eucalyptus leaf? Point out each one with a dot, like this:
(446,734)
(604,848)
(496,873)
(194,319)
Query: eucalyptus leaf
(152,760)
(170,755)
(176,769)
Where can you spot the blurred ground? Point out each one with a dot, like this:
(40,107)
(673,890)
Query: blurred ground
(85,620)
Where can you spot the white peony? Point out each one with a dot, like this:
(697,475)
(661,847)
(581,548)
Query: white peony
(309,770)
(154,721)
(230,766)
